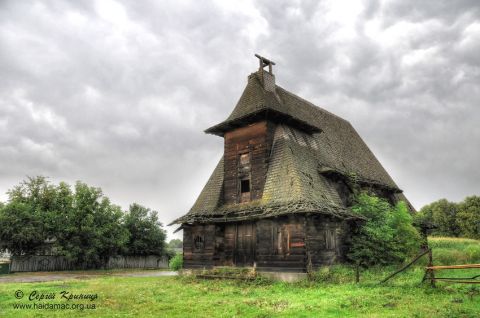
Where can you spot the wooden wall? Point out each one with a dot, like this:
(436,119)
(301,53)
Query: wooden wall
(283,244)
(255,139)
(199,255)
(325,239)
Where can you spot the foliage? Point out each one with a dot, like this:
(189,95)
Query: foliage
(175,243)
(90,228)
(446,218)
(146,234)
(441,215)
(469,217)
(386,236)
(82,224)
(176,263)
(28,218)
(21,230)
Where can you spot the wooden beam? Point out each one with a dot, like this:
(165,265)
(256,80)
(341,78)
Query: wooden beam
(466,266)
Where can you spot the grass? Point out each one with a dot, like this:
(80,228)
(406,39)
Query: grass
(332,294)
(448,250)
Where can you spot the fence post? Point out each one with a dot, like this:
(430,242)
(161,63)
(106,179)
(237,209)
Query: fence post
(357,273)
(431,273)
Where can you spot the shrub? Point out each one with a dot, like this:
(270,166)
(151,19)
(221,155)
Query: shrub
(176,263)
(387,235)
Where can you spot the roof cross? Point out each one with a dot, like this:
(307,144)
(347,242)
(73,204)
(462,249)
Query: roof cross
(265,62)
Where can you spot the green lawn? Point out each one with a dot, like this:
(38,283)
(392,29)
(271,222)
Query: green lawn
(333,295)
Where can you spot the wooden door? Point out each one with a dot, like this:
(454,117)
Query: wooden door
(245,244)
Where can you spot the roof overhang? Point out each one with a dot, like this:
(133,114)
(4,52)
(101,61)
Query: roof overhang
(263,114)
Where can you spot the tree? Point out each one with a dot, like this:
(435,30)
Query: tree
(175,243)
(468,217)
(21,230)
(146,234)
(442,214)
(28,218)
(386,236)
(91,228)
(82,225)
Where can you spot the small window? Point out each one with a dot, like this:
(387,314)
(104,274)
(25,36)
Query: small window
(245,186)
(198,242)
(245,190)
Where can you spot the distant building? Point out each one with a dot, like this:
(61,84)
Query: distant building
(280,195)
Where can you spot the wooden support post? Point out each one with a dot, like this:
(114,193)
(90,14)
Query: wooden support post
(431,273)
(310,272)
(357,273)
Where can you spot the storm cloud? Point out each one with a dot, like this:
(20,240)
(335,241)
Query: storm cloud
(117,93)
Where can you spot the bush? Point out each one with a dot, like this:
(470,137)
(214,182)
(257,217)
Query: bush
(176,263)
(387,235)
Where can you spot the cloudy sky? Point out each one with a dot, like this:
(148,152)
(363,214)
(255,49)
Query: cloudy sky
(117,93)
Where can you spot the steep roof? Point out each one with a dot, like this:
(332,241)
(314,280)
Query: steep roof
(308,142)
(257,102)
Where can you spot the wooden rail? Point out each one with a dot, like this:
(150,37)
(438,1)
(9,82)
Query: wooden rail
(428,251)
(430,269)
(466,266)
(458,280)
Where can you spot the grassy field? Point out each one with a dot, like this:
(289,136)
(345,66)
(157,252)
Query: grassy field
(333,294)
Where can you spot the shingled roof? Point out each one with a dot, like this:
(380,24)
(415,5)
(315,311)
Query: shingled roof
(309,142)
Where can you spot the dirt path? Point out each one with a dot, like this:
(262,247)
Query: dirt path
(52,276)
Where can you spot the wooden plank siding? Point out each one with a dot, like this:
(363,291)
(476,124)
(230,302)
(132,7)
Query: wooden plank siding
(274,244)
(281,244)
(256,140)
(325,239)
(199,254)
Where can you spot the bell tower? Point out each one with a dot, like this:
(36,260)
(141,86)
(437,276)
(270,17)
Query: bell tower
(248,144)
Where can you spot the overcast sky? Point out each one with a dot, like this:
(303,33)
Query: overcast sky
(117,93)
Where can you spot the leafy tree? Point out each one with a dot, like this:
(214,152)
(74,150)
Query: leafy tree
(83,224)
(468,217)
(146,234)
(28,219)
(175,243)
(21,229)
(91,228)
(442,215)
(386,236)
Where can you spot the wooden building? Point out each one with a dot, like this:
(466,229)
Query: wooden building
(279,197)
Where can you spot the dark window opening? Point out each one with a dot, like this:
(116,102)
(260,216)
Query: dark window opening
(245,186)
(198,242)
(245,190)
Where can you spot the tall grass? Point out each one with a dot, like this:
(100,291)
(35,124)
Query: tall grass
(454,251)
(446,251)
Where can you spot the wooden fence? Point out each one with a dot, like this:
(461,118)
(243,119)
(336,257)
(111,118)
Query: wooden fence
(430,275)
(39,263)
(460,280)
